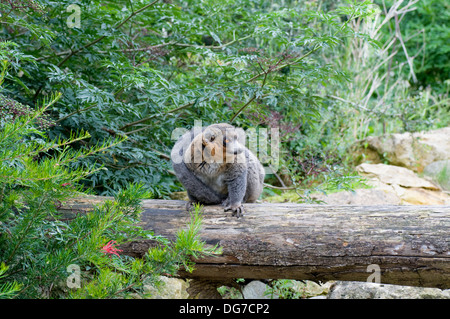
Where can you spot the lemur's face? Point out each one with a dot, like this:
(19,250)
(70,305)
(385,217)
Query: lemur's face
(222,142)
(232,142)
(216,146)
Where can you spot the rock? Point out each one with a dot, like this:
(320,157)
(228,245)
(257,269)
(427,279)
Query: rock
(394,175)
(439,172)
(168,288)
(420,196)
(391,185)
(257,290)
(369,290)
(403,183)
(310,289)
(412,150)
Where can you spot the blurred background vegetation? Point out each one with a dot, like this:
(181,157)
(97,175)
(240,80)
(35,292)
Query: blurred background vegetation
(327,73)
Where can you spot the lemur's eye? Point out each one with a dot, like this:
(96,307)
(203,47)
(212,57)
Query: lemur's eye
(212,138)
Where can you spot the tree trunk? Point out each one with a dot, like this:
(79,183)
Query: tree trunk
(408,244)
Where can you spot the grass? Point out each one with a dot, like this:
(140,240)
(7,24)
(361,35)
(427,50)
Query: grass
(329,186)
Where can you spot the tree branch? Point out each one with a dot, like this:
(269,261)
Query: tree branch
(212,46)
(104,52)
(408,58)
(286,64)
(117,26)
(73,52)
(155,115)
(243,107)
(75,112)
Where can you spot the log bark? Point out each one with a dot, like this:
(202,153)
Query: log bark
(409,244)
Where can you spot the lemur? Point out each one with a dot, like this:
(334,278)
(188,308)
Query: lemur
(216,168)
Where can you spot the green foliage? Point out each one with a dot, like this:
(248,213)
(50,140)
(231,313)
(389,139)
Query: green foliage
(114,276)
(284,289)
(166,258)
(188,242)
(38,242)
(443,177)
(326,74)
(7,289)
(382,96)
(141,69)
(427,32)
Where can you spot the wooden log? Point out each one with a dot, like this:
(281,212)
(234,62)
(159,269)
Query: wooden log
(409,244)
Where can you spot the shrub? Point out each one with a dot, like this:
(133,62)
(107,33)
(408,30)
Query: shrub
(141,70)
(38,243)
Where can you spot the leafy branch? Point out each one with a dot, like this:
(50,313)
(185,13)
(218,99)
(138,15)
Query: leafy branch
(116,27)
(277,68)
(215,47)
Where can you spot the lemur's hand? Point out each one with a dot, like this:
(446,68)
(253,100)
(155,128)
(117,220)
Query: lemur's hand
(237,209)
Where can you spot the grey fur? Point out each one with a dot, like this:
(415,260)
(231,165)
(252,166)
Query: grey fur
(231,182)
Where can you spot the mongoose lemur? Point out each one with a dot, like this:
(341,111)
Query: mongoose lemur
(215,167)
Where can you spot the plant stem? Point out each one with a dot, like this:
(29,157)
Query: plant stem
(286,64)
(25,232)
(243,107)
(75,112)
(155,115)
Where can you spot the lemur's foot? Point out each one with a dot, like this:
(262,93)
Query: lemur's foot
(238,210)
